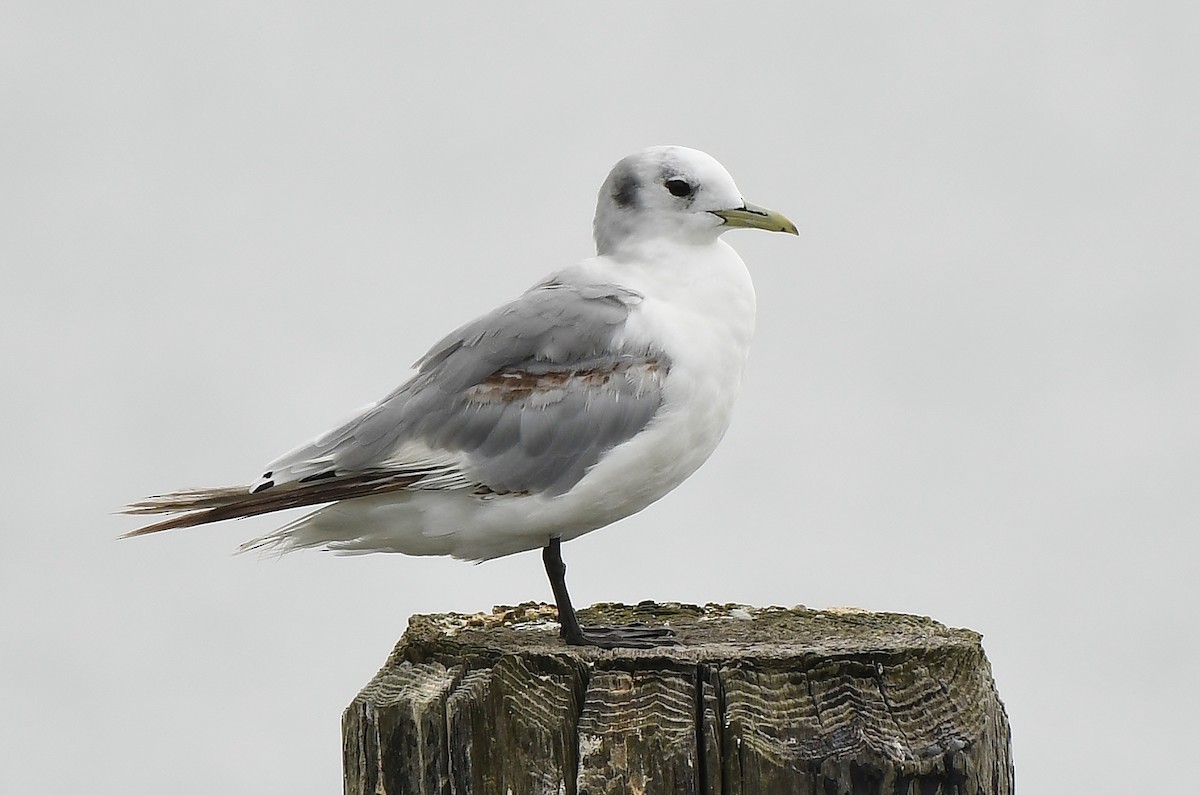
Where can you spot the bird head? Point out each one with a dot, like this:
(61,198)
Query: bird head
(675,193)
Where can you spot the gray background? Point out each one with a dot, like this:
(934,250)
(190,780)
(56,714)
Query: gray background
(973,393)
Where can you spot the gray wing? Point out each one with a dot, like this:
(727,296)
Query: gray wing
(524,399)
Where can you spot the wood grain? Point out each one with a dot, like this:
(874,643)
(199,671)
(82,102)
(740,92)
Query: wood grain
(637,733)
(751,701)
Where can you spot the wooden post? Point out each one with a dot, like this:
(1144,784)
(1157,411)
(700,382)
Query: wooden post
(752,701)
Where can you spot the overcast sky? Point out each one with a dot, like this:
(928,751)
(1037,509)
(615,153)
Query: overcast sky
(973,393)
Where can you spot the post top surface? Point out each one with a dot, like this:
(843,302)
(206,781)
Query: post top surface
(708,632)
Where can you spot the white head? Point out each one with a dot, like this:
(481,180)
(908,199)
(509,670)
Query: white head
(674,193)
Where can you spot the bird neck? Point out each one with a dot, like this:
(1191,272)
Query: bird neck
(619,233)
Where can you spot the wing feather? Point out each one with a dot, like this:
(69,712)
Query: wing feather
(524,399)
(511,377)
(203,506)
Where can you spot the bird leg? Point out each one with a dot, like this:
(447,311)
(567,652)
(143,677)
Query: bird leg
(635,636)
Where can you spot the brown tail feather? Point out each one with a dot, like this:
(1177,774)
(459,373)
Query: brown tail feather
(203,506)
(187,500)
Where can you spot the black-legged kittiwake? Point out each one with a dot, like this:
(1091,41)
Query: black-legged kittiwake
(581,402)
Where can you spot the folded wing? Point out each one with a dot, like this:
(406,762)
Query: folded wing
(522,400)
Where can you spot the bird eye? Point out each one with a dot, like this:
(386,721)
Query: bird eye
(679,187)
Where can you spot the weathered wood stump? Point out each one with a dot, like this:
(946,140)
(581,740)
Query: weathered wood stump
(753,700)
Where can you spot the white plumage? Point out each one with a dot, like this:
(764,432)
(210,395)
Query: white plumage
(581,402)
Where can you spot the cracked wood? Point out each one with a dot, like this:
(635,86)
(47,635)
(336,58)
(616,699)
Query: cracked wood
(751,701)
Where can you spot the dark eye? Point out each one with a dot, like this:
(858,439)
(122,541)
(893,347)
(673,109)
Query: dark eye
(678,187)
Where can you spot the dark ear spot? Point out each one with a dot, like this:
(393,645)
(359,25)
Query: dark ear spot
(625,189)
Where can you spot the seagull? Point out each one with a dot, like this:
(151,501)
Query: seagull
(584,400)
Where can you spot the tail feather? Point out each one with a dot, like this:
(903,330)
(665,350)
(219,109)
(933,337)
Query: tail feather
(186,500)
(204,506)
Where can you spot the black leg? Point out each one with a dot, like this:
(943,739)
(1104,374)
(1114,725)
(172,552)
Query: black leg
(638,636)
(556,570)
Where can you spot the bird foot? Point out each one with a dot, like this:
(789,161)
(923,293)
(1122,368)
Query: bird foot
(629,636)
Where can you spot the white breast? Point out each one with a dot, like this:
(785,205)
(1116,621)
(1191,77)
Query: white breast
(699,309)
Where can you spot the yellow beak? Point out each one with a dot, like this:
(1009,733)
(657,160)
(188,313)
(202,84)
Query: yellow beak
(751,216)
